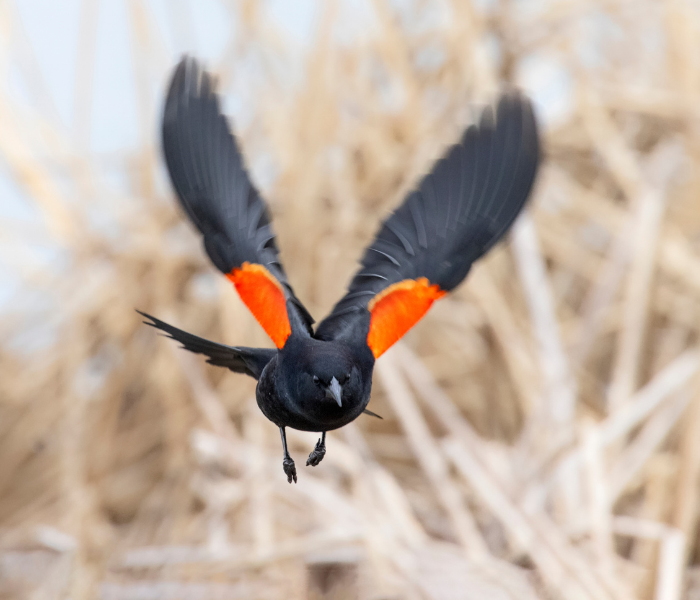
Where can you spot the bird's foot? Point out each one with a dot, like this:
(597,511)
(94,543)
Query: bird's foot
(317,455)
(289,469)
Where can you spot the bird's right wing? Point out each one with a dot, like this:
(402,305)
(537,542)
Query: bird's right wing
(455,215)
(210,178)
(239,359)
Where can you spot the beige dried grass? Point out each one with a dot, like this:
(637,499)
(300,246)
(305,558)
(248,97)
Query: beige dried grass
(540,426)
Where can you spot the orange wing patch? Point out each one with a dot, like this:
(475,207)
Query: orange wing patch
(398,308)
(264,296)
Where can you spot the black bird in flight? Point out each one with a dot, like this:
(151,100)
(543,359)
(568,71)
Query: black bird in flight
(319,380)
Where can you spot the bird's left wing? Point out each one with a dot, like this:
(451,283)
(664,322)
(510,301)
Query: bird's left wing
(213,186)
(455,215)
(238,359)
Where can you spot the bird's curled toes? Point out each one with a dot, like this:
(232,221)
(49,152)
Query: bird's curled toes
(317,455)
(290,469)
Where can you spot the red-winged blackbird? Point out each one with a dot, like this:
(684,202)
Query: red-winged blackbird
(321,380)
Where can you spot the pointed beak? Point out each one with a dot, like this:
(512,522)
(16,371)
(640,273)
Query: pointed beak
(335,391)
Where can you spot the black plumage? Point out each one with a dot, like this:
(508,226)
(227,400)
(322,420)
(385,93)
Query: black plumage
(457,212)
(319,381)
(211,181)
(238,359)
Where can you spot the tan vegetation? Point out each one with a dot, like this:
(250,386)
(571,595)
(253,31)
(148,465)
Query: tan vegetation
(541,432)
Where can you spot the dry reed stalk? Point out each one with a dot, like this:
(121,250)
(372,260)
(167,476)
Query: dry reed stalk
(669,579)
(646,441)
(85,71)
(430,459)
(511,340)
(611,430)
(559,388)
(599,500)
(598,300)
(685,515)
(649,214)
(488,486)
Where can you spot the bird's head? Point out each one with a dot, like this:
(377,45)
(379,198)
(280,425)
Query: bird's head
(329,381)
(326,376)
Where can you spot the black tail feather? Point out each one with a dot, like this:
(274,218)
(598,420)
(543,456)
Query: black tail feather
(371,414)
(238,359)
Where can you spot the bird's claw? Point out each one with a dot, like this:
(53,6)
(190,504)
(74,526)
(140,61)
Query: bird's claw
(317,455)
(289,469)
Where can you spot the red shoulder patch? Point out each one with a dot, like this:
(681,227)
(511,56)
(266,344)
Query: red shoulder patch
(264,296)
(396,309)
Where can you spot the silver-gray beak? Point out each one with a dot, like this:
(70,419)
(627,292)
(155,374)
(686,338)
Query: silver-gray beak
(335,391)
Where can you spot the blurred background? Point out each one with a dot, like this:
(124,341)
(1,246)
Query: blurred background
(541,432)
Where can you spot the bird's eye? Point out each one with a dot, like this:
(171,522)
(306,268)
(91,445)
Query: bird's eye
(316,380)
(347,378)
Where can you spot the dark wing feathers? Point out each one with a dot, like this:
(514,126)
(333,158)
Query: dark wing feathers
(209,176)
(250,361)
(456,214)
(453,217)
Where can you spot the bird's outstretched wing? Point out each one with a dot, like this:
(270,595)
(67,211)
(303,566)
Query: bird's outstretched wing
(239,359)
(454,216)
(209,176)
